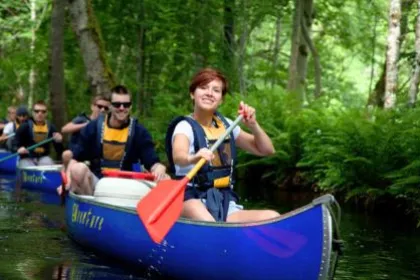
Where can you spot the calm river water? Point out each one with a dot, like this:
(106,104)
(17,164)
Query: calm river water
(34,245)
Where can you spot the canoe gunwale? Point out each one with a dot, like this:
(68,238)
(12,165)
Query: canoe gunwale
(327,241)
(41,168)
(90,199)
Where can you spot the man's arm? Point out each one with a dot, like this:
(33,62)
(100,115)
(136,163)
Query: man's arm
(58,145)
(147,154)
(72,127)
(8,130)
(75,125)
(2,125)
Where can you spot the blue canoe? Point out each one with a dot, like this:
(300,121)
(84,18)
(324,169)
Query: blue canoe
(8,166)
(41,178)
(297,245)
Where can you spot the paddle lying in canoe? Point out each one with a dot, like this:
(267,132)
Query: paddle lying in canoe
(129,174)
(29,148)
(160,209)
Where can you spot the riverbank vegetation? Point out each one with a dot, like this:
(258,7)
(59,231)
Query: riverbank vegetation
(335,83)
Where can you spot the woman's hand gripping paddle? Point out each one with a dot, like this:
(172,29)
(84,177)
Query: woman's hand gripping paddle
(161,208)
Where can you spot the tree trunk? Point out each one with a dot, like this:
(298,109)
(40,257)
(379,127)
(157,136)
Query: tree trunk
(317,63)
(92,47)
(200,44)
(276,50)
(32,49)
(415,78)
(242,47)
(299,51)
(306,17)
(293,84)
(57,84)
(377,96)
(394,33)
(229,49)
(372,65)
(120,59)
(141,97)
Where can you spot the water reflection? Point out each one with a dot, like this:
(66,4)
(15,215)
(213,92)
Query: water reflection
(34,244)
(376,247)
(81,271)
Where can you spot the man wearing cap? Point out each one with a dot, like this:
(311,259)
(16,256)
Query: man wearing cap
(36,130)
(22,116)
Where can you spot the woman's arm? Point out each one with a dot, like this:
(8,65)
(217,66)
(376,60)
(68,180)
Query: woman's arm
(257,143)
(181,146)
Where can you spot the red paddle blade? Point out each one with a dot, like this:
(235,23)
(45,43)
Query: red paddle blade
(161,208)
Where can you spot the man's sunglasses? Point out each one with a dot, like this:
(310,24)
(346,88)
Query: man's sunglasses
(40,111)
(118,104)
(100,107)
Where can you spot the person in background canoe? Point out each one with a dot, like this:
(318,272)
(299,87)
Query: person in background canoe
(11,116)
(114,141)
(22,116)
(209,195)
(99,105)
(33,131)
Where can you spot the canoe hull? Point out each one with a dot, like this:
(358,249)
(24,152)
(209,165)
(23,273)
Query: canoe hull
(295,246)
(8,166)
(40,178)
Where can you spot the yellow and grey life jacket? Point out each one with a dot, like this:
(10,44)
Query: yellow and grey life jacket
(114,143)
(39,133)
(219,173)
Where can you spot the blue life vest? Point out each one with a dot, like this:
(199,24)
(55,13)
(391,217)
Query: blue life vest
(208,174)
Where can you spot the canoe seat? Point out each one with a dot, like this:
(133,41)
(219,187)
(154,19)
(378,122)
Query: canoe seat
(121,191)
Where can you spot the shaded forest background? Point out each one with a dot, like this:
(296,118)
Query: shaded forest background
(335,83)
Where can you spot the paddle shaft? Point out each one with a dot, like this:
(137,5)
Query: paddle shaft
(29,148)
(10,136)
(219,141)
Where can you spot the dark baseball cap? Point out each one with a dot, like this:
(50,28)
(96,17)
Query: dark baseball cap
(22,111)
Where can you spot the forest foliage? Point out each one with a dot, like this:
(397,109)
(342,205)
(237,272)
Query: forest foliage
(339,142)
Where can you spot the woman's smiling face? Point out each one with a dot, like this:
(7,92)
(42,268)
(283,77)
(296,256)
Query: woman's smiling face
(208,97)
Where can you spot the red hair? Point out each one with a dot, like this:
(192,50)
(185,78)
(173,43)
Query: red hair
(205,76)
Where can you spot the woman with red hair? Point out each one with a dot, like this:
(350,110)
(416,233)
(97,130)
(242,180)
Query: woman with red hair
(209,195)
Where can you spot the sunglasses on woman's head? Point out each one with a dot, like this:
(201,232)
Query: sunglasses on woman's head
(40,111)
(100,107)
(118,104)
